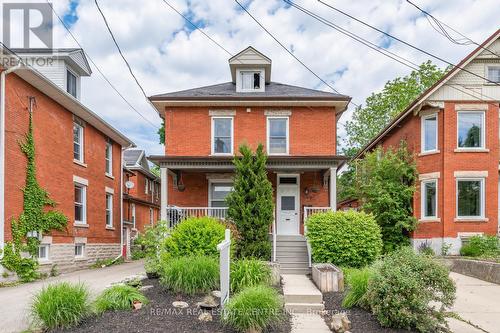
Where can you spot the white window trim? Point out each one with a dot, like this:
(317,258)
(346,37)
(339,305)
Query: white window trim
(487,71)
(423,200)
(483,132)
(212,140)
(108,197)
(47,257)
(132,211)
(83,250)
(110,159)
(84,203)
(146,185)
(239,82)
(77,81)
(268,132)
(482,198)
(422,134)
(82,143)
(216,181)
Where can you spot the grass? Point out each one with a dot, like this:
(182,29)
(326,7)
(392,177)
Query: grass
(357,281)
(190,275)
(119,297)
(61,305)
(253,308)
(248,273)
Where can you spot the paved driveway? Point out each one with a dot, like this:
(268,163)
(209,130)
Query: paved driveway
(477,301)
(14,301)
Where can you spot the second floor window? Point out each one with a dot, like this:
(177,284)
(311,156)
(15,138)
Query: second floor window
(146,185)
(429,133)
(277,136)
(494,73)
(80,204)
(71,83)
(470,129)
(77,142)
(132,209)
(222,135)
(109,157)
(109,210)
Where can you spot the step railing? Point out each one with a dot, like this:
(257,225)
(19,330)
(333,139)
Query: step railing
(308,212)
(175,214)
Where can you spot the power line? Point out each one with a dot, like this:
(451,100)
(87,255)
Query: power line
(288,51)
(404,42)
(99,70)
(442,30)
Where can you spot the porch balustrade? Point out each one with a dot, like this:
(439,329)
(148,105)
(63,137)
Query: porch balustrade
(176,215)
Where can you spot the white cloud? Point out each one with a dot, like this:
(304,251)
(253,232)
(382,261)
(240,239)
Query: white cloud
(167,56)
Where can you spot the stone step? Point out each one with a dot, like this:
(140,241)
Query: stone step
(295,271)
(304,307)
(304,298)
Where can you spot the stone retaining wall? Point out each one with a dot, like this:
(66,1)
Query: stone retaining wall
(487,271)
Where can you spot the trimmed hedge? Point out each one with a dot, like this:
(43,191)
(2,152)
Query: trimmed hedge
(345,238)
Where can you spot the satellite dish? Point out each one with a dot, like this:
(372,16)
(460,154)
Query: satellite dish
(129,184)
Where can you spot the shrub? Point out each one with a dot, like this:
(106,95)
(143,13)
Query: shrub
(425,248)
(253,308)
(478,246)
(60,305)
(148,241)
(194,236)
(357,281)
(347,238)
(119,297)
(411,291)
(190,275)
(249,273)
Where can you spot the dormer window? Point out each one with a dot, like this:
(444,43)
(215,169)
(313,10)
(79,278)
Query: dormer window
(71,83)
(250,80)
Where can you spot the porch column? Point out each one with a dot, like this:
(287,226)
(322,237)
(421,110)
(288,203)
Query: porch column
(333,188)
(163,193)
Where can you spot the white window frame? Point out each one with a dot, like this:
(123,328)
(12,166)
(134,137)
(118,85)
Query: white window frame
(423,199)
(81,143)
(482,198)
(132,209)
(422,134)
(84,203)
(216,181)
(151,216)
(47,255)
(109,159)
(109,209)
(212,135)
(77,83)
(82,245)
(146,185)
(488,70)
(268,132)
(483,130)
(239,81)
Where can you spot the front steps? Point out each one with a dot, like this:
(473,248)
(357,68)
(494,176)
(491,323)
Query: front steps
(301,295)
(291,253)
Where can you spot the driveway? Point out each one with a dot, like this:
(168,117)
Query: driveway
(15,301)
(477,301)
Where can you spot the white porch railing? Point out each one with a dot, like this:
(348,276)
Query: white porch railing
(308,211)
(178,214)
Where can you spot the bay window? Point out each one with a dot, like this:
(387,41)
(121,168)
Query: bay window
(470,129)
(429,133)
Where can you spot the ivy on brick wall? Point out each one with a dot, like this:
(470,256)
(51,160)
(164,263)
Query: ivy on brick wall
(20,254)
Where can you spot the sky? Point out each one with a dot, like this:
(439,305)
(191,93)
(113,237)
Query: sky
(167,54)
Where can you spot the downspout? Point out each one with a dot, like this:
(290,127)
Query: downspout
(3,74)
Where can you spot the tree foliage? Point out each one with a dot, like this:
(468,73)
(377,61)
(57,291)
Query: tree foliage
(384,183)
(161,133)
(251,203)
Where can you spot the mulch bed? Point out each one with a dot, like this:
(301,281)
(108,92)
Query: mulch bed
(362,321)
(160,316)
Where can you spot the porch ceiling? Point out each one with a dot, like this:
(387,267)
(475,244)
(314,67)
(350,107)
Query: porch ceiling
(224,163)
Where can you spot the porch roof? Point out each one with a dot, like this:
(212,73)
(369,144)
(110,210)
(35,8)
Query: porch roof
(205,163)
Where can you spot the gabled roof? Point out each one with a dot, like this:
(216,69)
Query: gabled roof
(250,58)
(417,103)
(75,57)
(136,160)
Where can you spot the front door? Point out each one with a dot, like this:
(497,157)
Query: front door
(287,207)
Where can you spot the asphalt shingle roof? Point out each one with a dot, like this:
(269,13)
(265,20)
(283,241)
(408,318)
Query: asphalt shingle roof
(131,156)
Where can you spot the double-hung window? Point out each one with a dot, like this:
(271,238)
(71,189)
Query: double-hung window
(429,199)
(222,135)
(109,157)
(132,209)
(151,216)
(470,198)
(43,252)
(277,135)
(71,83)
(250,80)
(494,73)
(78,142)
(429,133)
(109,210)
(218,193)
(80,204)
(470,130)
(146,185)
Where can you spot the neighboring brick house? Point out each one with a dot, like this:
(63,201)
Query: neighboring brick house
(78,159)
(453,130)
(141,192)
(205,126)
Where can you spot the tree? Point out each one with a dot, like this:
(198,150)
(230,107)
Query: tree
(384,182)
(251,203)
(161,133)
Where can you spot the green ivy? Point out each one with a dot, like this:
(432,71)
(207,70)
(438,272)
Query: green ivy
(34,218)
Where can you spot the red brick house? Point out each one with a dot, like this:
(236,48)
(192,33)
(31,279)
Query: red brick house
(453,130)
(141,192)
(78,158)
(205,126)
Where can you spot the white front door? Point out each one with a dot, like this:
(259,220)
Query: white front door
(287,207)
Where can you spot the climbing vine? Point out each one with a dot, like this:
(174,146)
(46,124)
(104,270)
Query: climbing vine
(33,222)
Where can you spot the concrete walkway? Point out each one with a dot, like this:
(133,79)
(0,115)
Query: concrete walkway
(477,301)
(15,301)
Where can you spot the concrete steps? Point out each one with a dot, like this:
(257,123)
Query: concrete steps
(301,295)
(291,253)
